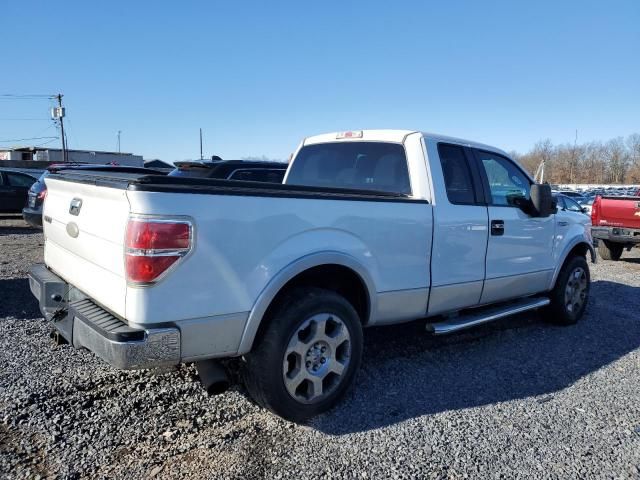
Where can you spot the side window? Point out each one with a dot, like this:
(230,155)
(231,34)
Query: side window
(457,174)
(560,202)
(506,181)
(19,180)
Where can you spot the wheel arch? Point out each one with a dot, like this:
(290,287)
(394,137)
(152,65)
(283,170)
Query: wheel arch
(320,270)
(577,247)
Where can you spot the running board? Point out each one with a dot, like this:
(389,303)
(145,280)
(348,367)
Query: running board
(487,315)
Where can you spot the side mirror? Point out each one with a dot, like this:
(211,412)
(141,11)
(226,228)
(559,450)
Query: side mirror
(542,201)
(584,210)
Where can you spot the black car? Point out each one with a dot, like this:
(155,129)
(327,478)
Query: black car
(14,185)
(32,211)
(253,171)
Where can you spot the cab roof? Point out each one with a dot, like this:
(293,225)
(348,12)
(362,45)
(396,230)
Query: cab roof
(395,136)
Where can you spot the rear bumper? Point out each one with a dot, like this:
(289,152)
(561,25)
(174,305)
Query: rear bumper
(627,236)
(32,216)
(87,325)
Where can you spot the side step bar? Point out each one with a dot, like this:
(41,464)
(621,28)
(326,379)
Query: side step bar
(486,315)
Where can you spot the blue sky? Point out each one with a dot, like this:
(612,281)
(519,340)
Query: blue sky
(259,76)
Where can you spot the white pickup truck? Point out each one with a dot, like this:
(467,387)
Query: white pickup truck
(368,228)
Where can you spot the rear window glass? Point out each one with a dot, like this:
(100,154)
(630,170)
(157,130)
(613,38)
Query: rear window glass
(196,172)
(259,175)
(20,180)
(360,165)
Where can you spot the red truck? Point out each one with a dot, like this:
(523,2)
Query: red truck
(615,224)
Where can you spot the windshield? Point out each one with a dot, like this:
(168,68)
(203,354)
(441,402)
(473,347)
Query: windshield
(374,166)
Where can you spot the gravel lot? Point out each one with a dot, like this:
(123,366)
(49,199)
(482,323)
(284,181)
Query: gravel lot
(518,398)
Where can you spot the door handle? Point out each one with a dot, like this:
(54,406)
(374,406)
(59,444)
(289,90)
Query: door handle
(497,227)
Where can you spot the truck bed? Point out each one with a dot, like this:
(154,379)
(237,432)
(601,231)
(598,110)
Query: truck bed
(617,212)
(162,183)
(244,234)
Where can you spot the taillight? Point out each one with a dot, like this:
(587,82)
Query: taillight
(152,246)
(42,195)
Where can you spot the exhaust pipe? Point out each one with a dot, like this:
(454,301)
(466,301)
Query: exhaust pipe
(57,338)
(213,377)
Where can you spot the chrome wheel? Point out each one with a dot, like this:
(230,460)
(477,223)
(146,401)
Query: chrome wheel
(316,357)
(575,293)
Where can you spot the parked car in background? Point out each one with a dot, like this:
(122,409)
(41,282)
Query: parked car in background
(32,211)
(368,228)
(571,193)
(586,203)
(571,211)
(253,171)
(14,185)
(616,225)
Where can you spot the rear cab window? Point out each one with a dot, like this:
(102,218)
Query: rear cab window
(376,166)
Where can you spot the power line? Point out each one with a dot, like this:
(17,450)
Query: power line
(11,96)
(24,139)
(45,143)
(24,119)
(36,136)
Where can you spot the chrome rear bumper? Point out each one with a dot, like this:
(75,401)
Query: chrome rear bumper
(85,324)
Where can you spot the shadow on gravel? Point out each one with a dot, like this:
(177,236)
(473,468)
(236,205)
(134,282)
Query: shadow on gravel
(406,374)
(18,230)
(635,260)
(17,300)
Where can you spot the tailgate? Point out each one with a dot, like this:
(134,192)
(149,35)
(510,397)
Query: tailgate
(620,212)
(84,244)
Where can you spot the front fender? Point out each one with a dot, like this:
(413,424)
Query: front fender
(573,243)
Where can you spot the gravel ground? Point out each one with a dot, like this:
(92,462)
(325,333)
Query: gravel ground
(518,398)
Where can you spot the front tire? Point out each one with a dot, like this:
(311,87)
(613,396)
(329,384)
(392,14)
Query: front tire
(609,250)
(570,295)
(308,356)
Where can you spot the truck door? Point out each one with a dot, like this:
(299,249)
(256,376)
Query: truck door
(520,249)
(460,228)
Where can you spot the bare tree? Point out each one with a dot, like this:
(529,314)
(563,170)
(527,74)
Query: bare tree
(616,161)
(633,146)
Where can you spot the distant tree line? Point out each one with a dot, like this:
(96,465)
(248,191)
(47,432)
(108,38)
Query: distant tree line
(615,161)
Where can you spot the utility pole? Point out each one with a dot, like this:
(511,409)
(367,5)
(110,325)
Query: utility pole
(573,157)
(58,113)
(119,132)
(200,144)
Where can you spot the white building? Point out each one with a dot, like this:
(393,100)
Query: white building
(39,154)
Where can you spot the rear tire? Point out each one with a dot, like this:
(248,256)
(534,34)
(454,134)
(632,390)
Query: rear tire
(308,356)
(609,250)
(570,295)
